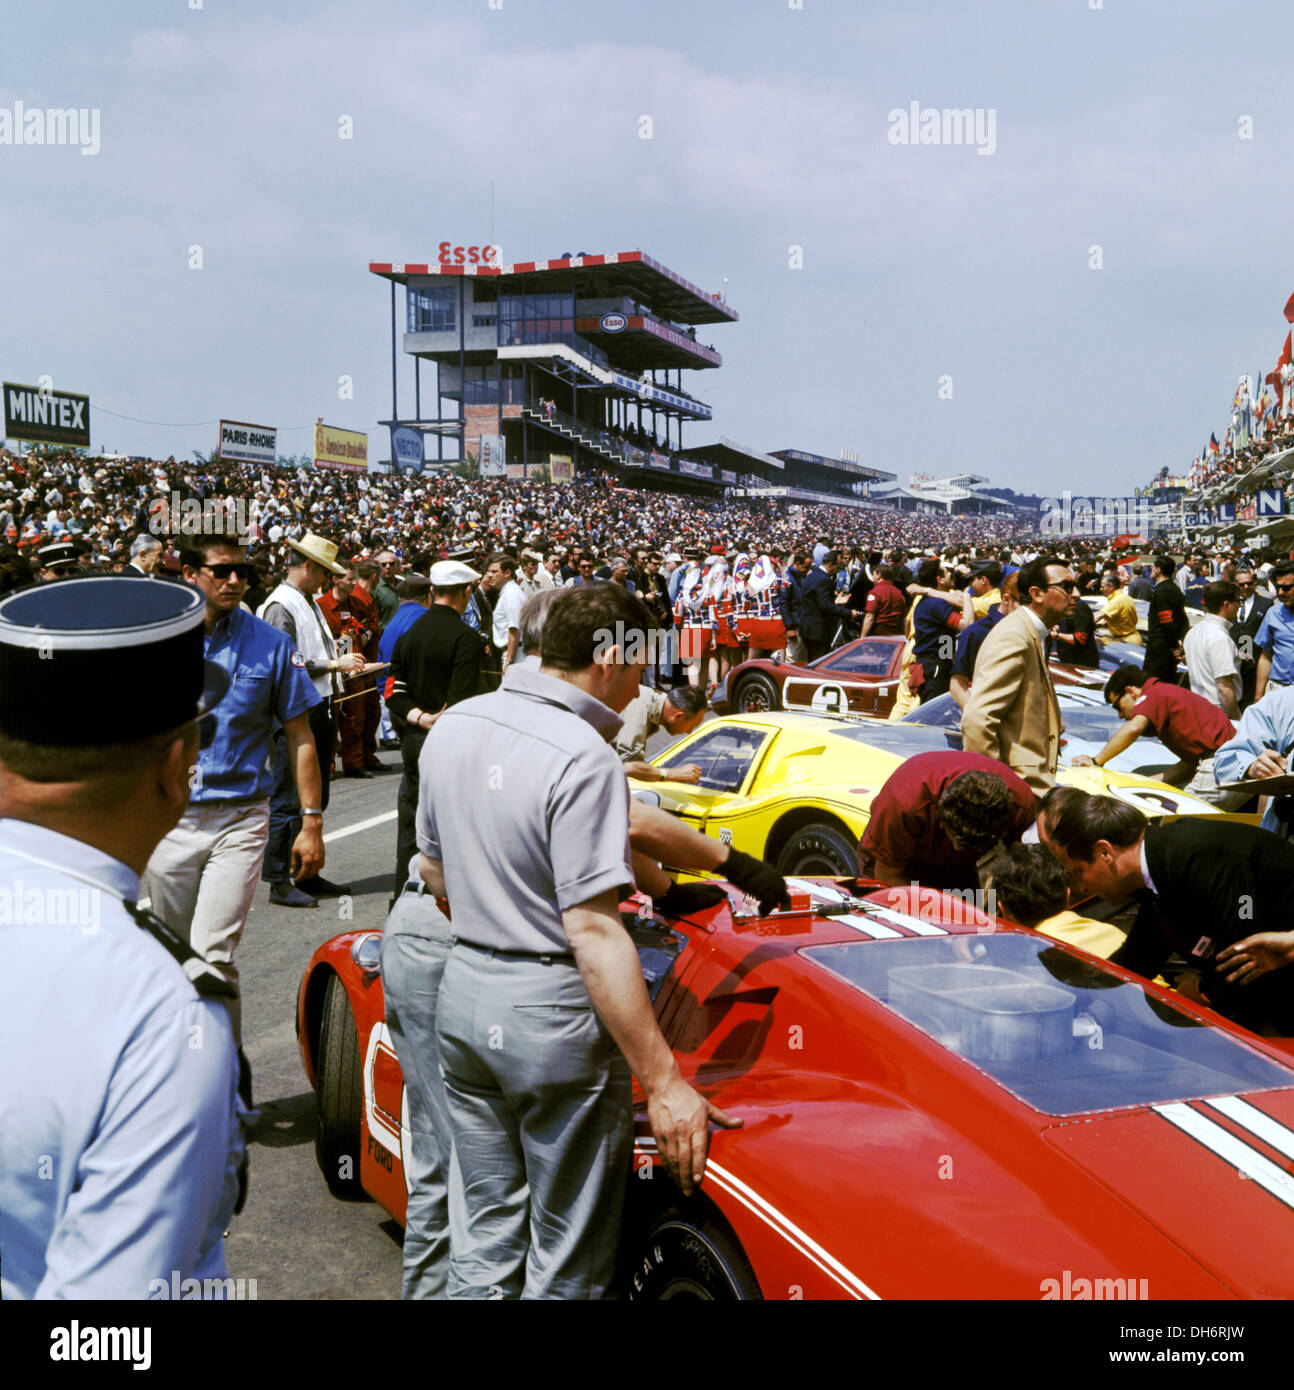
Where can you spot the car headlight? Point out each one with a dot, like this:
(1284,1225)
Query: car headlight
(366,952)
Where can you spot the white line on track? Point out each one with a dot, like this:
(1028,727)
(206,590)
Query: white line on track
(330,837)
(360,825)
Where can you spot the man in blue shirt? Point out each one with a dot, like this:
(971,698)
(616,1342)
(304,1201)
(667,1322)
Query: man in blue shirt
(934,620)
(972,639)
(415,597)
(1261,748)
(120,1125)
(203,875)
(1275,639)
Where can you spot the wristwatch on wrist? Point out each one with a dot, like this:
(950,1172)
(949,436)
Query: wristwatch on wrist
(313,811)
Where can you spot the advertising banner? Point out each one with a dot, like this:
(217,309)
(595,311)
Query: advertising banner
(561,467)
(41,415)
(1271,502)
(493,457)
(336,448)
(694,469)
(407,449)
(244,443)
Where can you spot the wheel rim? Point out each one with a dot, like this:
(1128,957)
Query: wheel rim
(690,1290)
(754,699)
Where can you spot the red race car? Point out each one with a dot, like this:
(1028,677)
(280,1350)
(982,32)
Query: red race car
(863,674)
(935,1106)
(866,669)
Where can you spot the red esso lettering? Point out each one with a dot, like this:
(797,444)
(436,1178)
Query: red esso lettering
(474,254)
(444,253)
(459,256)
(489,254)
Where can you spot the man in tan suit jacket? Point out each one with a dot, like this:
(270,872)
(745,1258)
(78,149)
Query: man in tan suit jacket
(1012,713)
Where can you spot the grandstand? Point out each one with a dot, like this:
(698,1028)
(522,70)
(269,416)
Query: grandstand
(570,363)
(957,495)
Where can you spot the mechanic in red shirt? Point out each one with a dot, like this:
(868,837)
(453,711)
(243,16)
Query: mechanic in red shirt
(885,606)
(938,815)
(1187,724)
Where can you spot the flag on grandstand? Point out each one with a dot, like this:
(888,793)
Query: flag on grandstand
(1214,450)
(1289,309)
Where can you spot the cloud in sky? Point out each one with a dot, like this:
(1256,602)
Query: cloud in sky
(220,131)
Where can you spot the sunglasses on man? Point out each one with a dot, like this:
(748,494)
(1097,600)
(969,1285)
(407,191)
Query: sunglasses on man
(222,572)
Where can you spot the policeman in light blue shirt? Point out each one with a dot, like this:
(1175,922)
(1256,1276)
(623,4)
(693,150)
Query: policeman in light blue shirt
(120,1123)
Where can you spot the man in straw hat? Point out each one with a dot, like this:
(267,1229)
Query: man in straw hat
(293,610)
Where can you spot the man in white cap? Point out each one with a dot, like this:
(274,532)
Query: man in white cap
(292,609)
(434,665)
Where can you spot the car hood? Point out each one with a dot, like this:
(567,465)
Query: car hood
(1213,1175)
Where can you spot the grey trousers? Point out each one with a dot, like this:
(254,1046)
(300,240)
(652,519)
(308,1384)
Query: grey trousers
(541,1111)
(415,946)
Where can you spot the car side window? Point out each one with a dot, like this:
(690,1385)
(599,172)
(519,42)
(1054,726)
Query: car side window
(724,755)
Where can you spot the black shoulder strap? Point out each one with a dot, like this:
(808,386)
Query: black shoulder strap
(204,977)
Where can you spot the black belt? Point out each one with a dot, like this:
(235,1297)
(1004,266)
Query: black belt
(545,957)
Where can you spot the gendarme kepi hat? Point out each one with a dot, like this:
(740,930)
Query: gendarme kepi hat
(99,659)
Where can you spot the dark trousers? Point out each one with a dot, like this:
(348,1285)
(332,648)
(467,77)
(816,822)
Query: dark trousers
(817,647)
(1161,663)
(406,839)
(285,809)
(938,678)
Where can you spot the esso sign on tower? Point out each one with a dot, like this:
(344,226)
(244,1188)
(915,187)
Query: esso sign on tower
(468,255)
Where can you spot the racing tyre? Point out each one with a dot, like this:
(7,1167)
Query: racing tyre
(819,851)
(339,1093)
(756,694)
(688,1254)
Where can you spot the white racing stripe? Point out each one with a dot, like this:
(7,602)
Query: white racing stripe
(866,924)
(1261,1126)
(771,1217)
(913,924)
(816,890)
(1246,1161)
(878,931)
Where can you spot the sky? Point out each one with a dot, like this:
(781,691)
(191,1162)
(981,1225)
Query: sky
(1070,309)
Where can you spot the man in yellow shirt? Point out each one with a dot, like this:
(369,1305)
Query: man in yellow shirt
(1120,616)
(985,586)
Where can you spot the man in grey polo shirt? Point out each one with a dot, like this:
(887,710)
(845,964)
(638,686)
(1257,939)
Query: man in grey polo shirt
(542,1011)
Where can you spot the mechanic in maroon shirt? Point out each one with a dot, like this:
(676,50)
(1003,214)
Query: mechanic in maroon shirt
(1189,726)
(938,815)
(885,606)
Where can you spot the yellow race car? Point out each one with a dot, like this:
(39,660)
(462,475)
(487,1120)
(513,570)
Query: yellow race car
(796,789)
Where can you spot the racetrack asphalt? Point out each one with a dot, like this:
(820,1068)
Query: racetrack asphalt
(293,1237)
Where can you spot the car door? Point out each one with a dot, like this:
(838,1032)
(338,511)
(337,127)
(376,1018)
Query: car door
(864,671)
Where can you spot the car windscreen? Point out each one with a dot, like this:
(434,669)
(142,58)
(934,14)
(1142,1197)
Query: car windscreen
(865,658)
(1059,1032)
(943,712)
(898,737)
(723,752)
